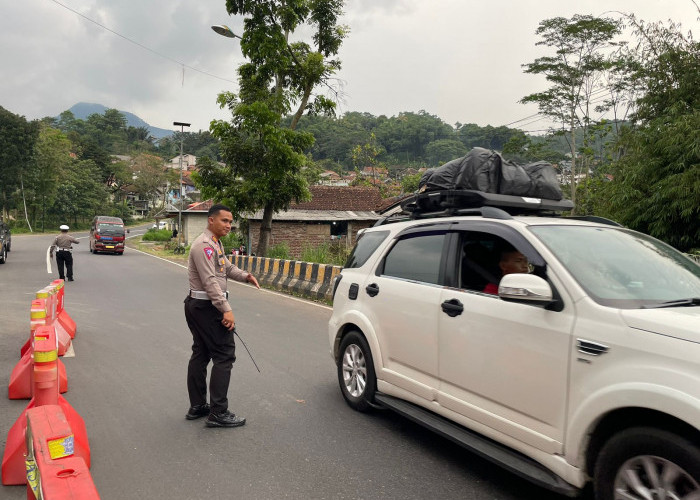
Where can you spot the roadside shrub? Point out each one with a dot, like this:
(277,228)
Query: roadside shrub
(279,251)
(232,240)
(326,253)
(157,235)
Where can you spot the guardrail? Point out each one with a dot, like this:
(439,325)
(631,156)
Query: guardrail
(308,279)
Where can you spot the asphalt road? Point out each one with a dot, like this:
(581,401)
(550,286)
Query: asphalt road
(127,381)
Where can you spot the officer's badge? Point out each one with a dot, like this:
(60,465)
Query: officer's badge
(209,252)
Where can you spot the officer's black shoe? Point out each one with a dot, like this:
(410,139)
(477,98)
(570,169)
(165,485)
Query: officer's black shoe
(224,419)
(198,411)
(71,279)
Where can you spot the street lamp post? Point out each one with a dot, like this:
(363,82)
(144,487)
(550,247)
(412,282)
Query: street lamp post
(182,198)
(224,30)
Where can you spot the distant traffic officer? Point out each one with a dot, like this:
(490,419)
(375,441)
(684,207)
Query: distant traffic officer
(211,321)
(63,246)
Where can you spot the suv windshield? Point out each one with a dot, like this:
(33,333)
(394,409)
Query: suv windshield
(113,229)
(622,268)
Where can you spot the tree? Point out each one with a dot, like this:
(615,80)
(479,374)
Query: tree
(444,150)
(655,185)
(17,139)
(264,159)
(150,176)
(573,73)
(365,155)
(52,159)
(80,194)
(409,183)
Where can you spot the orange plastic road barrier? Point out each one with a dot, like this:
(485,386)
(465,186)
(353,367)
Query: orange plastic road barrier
(61,314)
(37,316)
(45,392)
(20,386)
(52,470)
(51,295)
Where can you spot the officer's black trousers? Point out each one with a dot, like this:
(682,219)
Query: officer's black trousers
(62,257)
(210,341)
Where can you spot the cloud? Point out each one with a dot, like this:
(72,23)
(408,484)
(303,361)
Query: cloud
(455,59)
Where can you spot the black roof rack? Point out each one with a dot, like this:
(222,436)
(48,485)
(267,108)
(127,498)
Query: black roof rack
(450,203)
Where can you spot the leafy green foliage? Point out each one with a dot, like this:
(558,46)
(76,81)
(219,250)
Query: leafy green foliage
(265,160)
(232,240)
(279,251)
(17,139)
(326,253)
(409,183)
(572,73)
(157,235)
(655,185)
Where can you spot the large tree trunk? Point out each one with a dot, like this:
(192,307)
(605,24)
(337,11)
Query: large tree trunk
(302,107)
(265,231)
(573,163)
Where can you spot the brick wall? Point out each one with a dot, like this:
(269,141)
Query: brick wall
(299,235)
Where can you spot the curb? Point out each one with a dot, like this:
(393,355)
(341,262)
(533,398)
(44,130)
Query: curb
(311,280)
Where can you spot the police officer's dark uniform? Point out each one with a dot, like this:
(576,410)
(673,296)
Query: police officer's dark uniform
(205,307)
(62,245)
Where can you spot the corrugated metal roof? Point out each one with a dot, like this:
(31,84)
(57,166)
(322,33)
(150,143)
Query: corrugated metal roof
(317,215)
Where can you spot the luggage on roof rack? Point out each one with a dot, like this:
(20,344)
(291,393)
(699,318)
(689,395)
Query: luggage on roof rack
(454,201)
(486,170)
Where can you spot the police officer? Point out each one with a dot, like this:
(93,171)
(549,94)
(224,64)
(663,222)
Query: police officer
(211,321)
(62,244)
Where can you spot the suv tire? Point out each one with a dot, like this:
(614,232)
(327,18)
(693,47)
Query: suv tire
(356,377)
(3,255)
(623,466)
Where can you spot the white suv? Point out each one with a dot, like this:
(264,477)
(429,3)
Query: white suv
(587,368)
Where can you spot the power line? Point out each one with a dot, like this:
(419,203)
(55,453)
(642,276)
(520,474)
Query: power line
(164,56)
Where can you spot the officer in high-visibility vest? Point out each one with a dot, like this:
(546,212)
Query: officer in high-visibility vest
(63,246)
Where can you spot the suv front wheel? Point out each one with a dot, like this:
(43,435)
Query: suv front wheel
(356,372)
(647,463)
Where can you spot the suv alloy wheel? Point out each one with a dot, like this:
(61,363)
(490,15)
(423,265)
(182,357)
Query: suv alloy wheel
(356,372)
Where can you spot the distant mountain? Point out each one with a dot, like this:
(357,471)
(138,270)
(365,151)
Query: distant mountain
(84,109)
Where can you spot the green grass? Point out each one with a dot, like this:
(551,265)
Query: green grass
(279,251)
(326,253)
(157,235)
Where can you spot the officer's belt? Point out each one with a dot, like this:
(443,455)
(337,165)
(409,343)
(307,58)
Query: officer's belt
(65,249)
(201,295)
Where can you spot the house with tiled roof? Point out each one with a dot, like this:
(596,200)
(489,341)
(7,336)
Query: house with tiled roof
(333,214)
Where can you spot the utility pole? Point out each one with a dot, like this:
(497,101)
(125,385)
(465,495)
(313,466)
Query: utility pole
(182,197)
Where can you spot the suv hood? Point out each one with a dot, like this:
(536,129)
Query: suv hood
(679,322)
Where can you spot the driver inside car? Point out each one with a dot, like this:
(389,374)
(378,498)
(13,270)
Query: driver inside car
(510,261)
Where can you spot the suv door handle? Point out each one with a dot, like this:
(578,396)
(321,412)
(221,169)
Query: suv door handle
(372,289)
(452,307)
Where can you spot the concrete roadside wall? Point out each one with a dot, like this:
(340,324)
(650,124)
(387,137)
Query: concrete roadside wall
(311,280)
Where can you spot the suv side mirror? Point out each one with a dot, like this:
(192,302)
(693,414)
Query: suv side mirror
(525,288)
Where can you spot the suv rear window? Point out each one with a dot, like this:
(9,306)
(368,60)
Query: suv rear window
(366,244)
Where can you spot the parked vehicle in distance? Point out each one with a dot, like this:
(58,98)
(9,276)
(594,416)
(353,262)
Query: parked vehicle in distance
(107,234)
(583,367)
(5,241)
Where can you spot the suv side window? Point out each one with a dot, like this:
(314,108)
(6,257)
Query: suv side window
(366,244)
(416,258)
(480,253)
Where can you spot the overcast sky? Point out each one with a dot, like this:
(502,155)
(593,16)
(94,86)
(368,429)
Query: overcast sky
(457,59)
